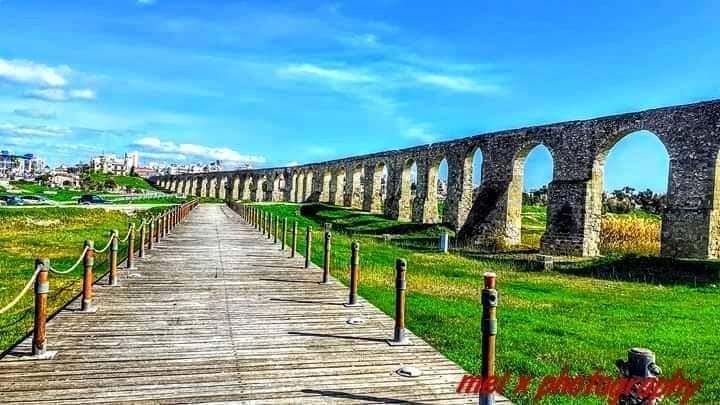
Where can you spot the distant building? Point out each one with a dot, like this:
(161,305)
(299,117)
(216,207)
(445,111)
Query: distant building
(174,169)
(60,177)
(20,166)
(442,190)
(146,172)
(114,165)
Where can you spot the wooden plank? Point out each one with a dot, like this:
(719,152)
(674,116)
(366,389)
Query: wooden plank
(216,313)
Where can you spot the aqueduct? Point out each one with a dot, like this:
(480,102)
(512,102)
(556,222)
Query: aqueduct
(690,226)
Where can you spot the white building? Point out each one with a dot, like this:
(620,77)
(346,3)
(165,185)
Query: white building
(114,165)
(20,166)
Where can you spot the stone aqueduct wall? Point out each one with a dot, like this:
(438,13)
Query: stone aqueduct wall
(691,224)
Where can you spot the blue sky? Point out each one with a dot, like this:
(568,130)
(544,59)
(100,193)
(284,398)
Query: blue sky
(274,83)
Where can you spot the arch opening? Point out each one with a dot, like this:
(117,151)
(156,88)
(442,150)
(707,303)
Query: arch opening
(338,195)
(325,192)
(408,188)
(527,210)
(358,188)
(629,194)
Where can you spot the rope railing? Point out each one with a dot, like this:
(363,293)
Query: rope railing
(23,292)
(170,219)
(73,267)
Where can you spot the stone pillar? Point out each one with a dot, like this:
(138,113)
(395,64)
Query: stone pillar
(372,199)
(425,206)
(222,187)
(460,190)
(337,194)
(574,218)
(397,201)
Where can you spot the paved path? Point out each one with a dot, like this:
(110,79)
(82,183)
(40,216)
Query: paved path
(217,313)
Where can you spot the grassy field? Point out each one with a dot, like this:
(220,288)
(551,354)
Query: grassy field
(582,316)
(133,182)
(57,234)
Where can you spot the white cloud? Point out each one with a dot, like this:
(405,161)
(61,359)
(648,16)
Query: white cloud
(8,129)
(27,72)
(455,83)
(292,163)
(184,150)
(58,95)
(35,113)
(420,132)
(335,75)
(146,2)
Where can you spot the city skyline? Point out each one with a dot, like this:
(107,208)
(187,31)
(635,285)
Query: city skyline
(279,84)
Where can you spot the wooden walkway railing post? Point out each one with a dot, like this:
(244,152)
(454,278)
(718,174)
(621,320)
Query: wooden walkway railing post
(113,257)
(308,246)
(88,278)
(151,230)
(131,247)
(42,288)
(283,242)
(354,274)
(489,298)
(400,336)
(293,246)
(269,225)
(157,230)
(327,253)
(276,229)
(141,253)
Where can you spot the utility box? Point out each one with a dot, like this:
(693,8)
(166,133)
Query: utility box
(444,242)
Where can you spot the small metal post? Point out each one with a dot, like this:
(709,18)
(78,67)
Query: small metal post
(277,229)
(113,257)
(308,246)
(444,242)
(283,241)
(641,366)
(400,336)
(42,288)
(150,234)
(131,246)
(489,298)
(354,274)
(327,250)
(88,278)
(141,254)
(293,248)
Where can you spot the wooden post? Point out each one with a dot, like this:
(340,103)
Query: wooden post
(131,246)
(293,248)
(276,229)
(354,274)
(42,288)
(489,298)
(327,251)
(141,254)
(400,336)
(308,247)
(150,233)
(269,225)
(284,234)
(88,278)
(157,230)
(113,257)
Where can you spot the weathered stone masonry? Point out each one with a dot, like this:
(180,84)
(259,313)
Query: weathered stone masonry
(691,224)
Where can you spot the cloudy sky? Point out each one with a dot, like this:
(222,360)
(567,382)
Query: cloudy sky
(274,83)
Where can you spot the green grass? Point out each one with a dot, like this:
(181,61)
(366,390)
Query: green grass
(133,182)
(578,317)
(150,201)
(55,194)
(57,234)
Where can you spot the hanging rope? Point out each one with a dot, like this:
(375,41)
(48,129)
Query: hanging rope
(132,226)
(23,292)
(105,248)
(74,266)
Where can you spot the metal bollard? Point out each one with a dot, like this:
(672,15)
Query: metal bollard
(308,246)
(88,278)
(141,253)
(354,274)
(284,234)
(42,288)
(327,250)
(113,257)
(131,247)
(639,365)
(400,336)
(276,229)
(489,298)
(293,248)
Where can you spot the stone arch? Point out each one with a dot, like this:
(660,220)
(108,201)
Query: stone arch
(355,187)
(300,187)
(426,207)
(513,221)
(406,195)
(308,188)
(235,188)
(375,186)
(325,194)
(247,189)
(223,187)
(204,187)
(593,217)
(213,187)
(278,187)
(261,189)
(337,194)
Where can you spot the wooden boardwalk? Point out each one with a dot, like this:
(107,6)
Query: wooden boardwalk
(217,313)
